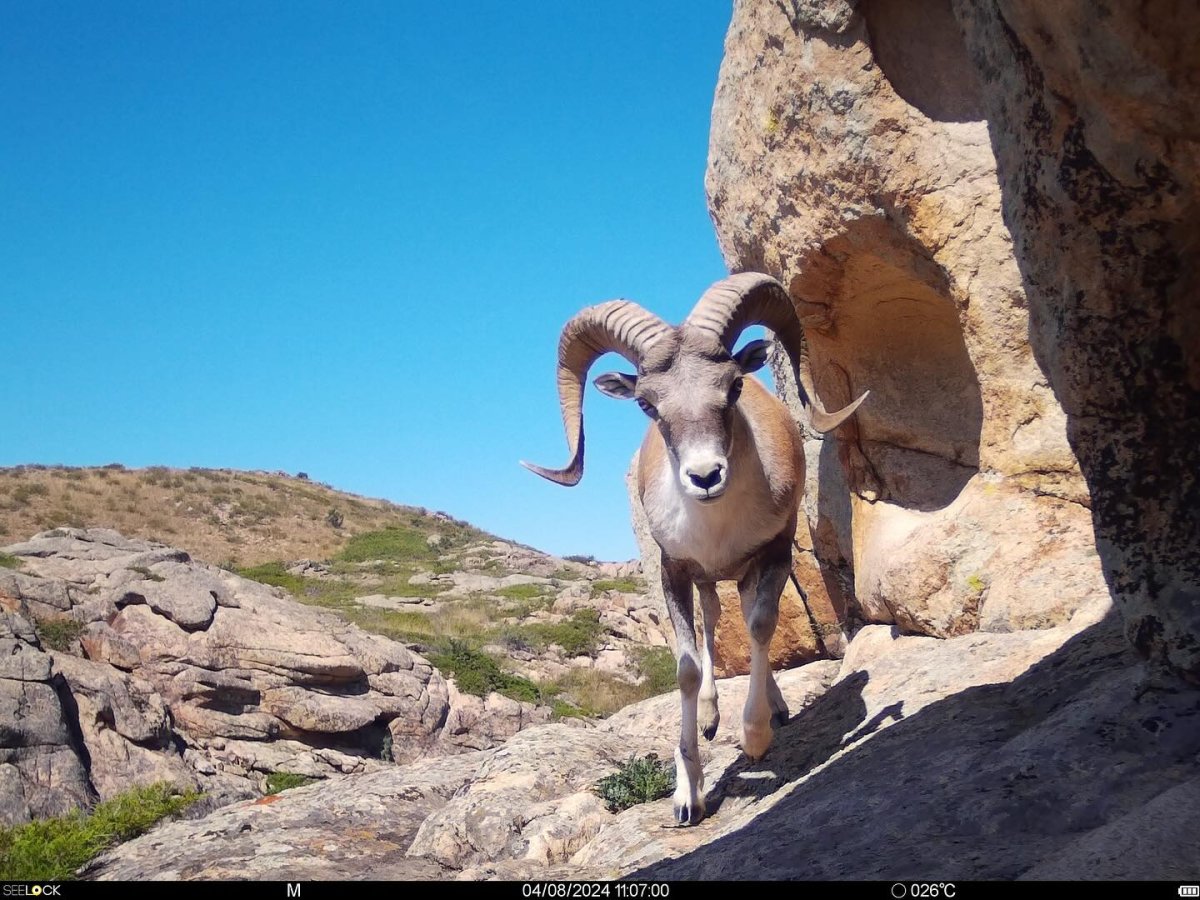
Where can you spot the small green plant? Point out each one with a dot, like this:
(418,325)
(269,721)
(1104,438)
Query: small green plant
(477,673)
(9,562)
(657,666)
(578,636)
(58,634)
(522,592)
(55,849)
(273,573)
(282,781)
(640,780)
(624,585)
(146,573)
(975,583)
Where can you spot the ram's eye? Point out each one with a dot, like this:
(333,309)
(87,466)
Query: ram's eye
(647,408)
(735,390)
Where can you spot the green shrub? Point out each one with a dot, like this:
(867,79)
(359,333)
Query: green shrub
(395,543)
(275,574)
(282,781)
(657,666)
(624,585)
(578,636)
(9,562)
(640,780)
(522,592)
(477,673)
(58,634)
(54,849)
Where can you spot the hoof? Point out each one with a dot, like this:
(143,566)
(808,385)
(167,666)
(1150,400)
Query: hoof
(710,731)
(756,740)
(689,813)
(779,719)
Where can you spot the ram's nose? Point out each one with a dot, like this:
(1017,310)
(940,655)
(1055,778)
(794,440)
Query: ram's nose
(706,477)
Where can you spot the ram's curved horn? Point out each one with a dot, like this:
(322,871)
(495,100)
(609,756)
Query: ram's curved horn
(734,304)
(617,325)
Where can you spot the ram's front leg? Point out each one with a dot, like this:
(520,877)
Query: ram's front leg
(689,774)
(710,712)
(759,590)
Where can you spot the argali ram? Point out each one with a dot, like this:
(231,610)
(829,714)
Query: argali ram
(721,474)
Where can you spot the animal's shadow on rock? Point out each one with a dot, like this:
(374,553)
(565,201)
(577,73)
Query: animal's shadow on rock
(986,783)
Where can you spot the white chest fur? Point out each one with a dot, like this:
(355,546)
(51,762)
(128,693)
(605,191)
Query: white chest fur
(717,537)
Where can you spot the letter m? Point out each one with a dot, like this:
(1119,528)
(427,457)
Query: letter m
(293,889)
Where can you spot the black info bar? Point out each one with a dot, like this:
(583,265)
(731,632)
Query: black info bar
(610,890)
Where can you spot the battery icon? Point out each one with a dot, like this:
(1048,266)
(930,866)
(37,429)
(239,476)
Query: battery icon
(1189,890)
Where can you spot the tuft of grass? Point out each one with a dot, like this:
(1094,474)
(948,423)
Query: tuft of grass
(975,583)
(522,592)
(656,665)
(55,849)
(579,635)
(273,573)
(146,573)
(282,781)
(640,780)
(395,543)
(58,634)
(624,585)
(596,694)
(477,673)
(9,562)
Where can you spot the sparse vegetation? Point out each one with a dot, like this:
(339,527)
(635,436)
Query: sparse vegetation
(578,636)
(273,573)
(522,592)
(334,518)
(54,849)
(146,573)
(640,780)
(58,634)
(656,665)
(975,583)
(595,693)
(626,585)
(23,493)
(477,673)
(282,781)
(8,561)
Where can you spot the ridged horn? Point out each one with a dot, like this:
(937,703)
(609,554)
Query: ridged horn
(616,325)
(734,304)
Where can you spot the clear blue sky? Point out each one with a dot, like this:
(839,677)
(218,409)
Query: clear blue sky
(342,238)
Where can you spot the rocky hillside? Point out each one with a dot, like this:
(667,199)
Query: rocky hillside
(225,516)
(129,662)
(1036,754)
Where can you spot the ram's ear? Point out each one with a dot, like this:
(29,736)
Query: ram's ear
(616,384)
(753,356)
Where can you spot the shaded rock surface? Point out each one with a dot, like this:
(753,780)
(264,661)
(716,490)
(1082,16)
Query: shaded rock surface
(979,756)
(1092,118)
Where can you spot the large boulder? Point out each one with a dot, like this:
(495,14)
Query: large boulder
(187,673)
(1092,113)
(850,157)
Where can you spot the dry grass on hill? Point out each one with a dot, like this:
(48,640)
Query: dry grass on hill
(217,515)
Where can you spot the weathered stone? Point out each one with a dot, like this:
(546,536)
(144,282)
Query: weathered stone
(317,712)
(1091,118)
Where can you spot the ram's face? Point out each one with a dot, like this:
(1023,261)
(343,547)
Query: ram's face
(692,400)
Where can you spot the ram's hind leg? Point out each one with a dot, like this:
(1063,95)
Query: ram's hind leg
(709,711)
(689,774)
(759,590)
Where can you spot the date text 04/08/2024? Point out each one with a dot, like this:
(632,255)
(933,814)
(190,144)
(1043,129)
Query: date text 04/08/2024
(613,890)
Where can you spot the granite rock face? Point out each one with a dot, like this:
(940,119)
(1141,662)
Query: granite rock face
(1092,112)
(172,670)
(850,157)
(980,756)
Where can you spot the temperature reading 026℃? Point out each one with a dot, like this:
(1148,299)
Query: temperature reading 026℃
(924,890)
